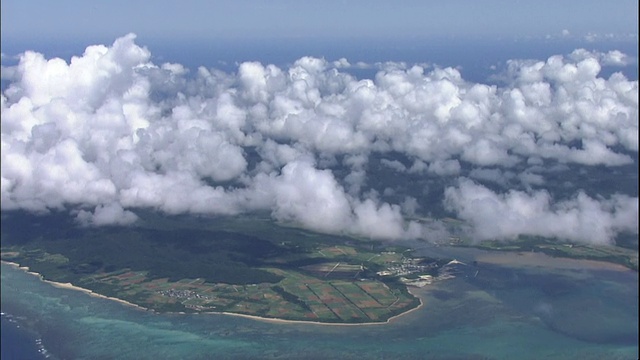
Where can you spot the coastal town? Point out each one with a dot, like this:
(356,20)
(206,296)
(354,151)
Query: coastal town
(417,272)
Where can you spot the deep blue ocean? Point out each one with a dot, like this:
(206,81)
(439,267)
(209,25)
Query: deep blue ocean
(17,342)
(476,59)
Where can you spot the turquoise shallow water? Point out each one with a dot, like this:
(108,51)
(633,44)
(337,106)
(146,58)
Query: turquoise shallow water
(504,312)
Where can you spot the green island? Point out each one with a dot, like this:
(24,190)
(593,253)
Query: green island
(249,265)
(238,266)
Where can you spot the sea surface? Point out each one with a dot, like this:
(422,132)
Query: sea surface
(478,60)
(18,342)
(499,309)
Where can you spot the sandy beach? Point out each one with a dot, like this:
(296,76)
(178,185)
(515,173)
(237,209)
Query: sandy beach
(72,287)
(293,322)
(91,293)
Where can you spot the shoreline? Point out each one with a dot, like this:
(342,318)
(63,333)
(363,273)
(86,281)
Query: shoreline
(70,286)
(309,322)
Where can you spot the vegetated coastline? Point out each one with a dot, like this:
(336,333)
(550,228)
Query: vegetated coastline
(70,286)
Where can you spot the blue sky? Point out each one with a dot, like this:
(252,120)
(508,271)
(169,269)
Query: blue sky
(24,20)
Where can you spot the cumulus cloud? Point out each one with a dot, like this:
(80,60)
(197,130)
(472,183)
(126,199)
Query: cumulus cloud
(508,215)
(310,196)
(109,214)
(109,132)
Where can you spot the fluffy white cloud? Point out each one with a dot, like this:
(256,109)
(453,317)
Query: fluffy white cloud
(109,214)
(309,196)
(109,132)
(508,215)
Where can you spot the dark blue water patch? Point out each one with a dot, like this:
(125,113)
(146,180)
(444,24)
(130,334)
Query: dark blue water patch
(18,342)
(477,59)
